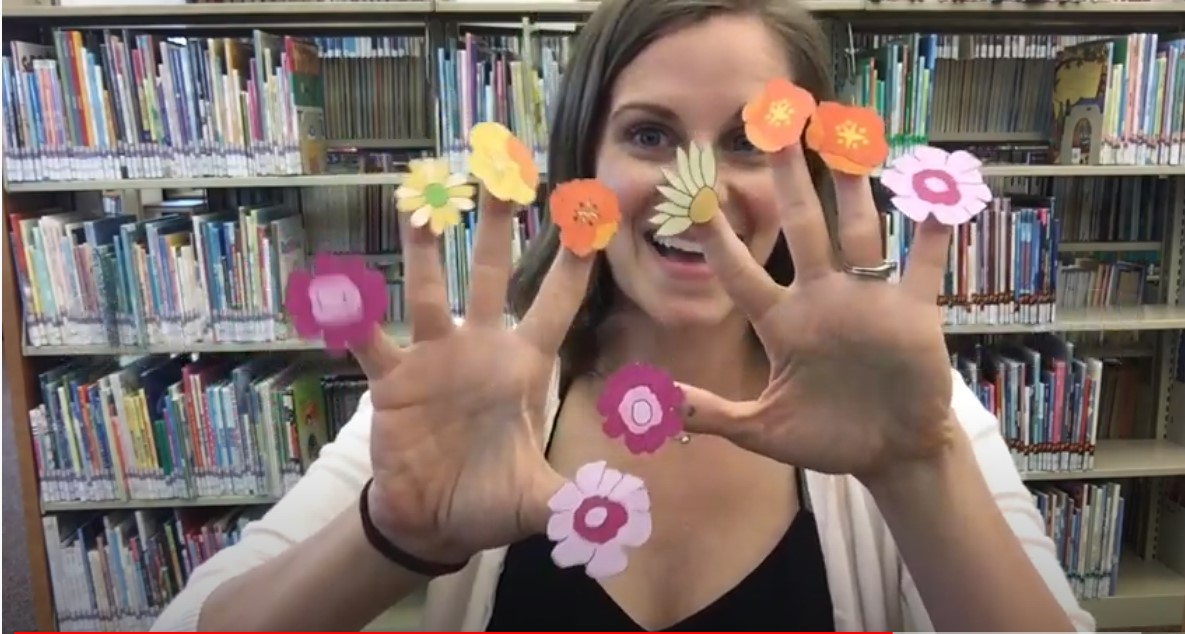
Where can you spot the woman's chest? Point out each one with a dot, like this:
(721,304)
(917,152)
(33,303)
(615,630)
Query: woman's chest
(718,514)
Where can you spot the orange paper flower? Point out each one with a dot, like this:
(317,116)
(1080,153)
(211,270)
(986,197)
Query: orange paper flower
(586,213)
(774,119)
(850,139)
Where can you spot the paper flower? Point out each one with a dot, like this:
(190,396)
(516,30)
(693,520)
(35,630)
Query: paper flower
(594,519)
(850,139)
(502,163)
(775,118)
(930,181)
(641,403)
(433,196)
(586,213)
(340,301)
(691,195)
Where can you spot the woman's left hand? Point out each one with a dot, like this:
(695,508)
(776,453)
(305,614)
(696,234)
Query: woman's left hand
(859,377)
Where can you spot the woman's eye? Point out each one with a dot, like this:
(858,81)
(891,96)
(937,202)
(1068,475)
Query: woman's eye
(740,143)
(648,136)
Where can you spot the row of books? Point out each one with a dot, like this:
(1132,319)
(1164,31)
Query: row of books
(117,572)
(1005,267)
(1053,402)
(177,428)
(376,88)
(1115,101)
(118,104)
(1111,209)
(192,273)
(122,104)
(508,78)
(1085,521)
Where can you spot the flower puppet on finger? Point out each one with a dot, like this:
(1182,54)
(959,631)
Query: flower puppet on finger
(339,301)
(596,517)
(502,163)
(586,214)
(434,196)
(776,117)
(849,139)
(930,181)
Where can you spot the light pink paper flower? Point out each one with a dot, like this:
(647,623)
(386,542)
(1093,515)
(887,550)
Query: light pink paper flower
(641,403)
(930,181)
(594,519)
(340,301)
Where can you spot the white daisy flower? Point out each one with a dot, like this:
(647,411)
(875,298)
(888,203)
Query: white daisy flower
(691,191)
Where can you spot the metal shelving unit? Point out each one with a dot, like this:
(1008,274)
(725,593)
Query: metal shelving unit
(1150,593)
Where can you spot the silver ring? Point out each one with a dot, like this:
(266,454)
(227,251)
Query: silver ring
(882,271)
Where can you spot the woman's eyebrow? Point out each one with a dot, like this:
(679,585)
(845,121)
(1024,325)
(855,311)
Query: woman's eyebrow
(652,109)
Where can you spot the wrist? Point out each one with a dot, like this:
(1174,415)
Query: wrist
(426,547)
(922,481)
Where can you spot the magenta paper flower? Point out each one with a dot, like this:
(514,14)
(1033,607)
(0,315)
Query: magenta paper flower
(930,181)
(641,403)
(340,301)
(594,519)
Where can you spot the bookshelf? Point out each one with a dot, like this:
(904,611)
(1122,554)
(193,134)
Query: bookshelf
(1143,336)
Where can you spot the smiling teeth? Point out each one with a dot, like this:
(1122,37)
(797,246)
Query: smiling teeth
(686,246)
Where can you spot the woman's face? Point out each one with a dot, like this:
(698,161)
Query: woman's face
(688,86)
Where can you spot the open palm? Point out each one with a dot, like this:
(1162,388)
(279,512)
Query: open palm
(455,443)
(859,374)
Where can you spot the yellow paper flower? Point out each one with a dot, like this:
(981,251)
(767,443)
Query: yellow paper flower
(502,163)
(433,196)
(691,194)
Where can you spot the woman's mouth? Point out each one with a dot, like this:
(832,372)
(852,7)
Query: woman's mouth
(675,248)
(679,258)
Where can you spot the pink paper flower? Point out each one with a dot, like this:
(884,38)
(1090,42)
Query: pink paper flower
(594,519)
(340,301)
(641,403)
(931,181)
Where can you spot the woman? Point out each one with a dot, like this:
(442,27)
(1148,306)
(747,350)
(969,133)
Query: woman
(831,448)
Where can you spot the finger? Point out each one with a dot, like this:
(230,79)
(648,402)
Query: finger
(423,283)
(859,223)
(490,272)
(558,300)
(379,355)
(706,413)
(925,268)
(743,278)
(802,215)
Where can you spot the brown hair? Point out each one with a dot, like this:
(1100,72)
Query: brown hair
(616,33)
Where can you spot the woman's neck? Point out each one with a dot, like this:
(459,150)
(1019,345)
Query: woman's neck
(725,358)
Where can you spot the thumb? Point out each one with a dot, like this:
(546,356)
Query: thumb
(705,412)
(378,355)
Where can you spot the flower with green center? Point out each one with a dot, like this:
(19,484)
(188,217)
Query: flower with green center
(434,196)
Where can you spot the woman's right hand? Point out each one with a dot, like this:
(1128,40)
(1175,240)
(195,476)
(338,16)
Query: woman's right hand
(458,414)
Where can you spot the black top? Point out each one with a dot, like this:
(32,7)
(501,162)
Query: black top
(787,592)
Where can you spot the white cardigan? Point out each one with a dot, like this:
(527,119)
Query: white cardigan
(870,588)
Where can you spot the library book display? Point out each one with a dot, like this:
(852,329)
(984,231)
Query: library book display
(168,164)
